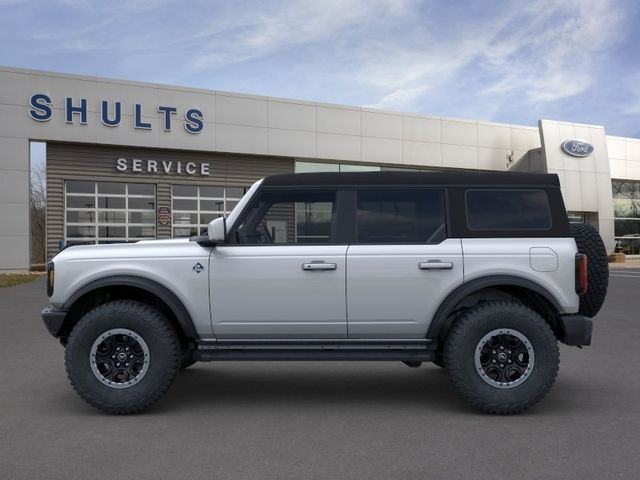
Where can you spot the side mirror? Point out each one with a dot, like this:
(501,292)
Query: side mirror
(217,230)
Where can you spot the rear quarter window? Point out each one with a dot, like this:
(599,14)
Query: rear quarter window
(503,209)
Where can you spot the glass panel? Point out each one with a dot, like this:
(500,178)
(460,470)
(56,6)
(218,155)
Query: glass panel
(71,243)
(280,224)
(359,168)
(212,205)
(81,202)
(401,216)
(111,188)
(185,218)
(185,232)
(313,219)
(185,204)
(626,208)
(628,245)
(80,232)
(140,232)
(231,205)
(627,228)
(112,202)
(111,232)
(112,217)
(207,217)
(184,191)
(310,167)
(141,189)
(88,216)
(142,203)
(212,192)
(508,210)
(142,217)
(627,189)
(235,192)
(576,217)
(77,186)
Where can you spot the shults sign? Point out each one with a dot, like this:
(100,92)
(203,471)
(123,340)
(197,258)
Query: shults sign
(41,109)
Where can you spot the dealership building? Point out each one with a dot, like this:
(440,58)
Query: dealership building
(127,161)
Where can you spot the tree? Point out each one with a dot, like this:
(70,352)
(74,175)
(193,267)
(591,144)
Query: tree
(38,210)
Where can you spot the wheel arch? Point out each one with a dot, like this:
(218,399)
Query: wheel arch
(130,287)
(522,289)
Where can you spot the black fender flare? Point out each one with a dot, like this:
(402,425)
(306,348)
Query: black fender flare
(163,293)
(441,322)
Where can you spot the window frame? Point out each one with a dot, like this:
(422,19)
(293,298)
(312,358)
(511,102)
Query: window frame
(501,229)
(337,214)
(445,212)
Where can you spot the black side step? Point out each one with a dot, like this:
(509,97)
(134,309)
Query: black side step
(316,350)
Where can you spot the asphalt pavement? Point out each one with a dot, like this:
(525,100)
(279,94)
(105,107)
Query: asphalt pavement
(317,420)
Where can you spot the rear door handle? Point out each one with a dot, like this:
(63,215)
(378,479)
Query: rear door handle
(435,265)
(319,266)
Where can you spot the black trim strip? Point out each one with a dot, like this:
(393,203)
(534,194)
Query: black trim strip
(441,323)
(160,291)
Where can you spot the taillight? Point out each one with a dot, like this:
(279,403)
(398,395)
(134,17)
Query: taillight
(50,278)
(581,273)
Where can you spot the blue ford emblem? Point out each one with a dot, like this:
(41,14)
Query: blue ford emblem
(577,148)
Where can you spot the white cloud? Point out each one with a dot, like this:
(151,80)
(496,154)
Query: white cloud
(283,25)
(540,51)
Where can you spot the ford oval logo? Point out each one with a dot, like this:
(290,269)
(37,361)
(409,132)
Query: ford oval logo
(577,148)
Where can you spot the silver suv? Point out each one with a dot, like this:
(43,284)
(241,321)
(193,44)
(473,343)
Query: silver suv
(480,273)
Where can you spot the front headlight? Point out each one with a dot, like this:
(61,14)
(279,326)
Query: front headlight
(50,278)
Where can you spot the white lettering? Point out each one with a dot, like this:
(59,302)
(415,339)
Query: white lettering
(121,164)
(167,167)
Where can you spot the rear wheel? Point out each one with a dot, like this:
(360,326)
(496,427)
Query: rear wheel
(502,357)
(122,356)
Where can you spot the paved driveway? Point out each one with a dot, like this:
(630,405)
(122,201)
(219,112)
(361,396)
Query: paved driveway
(321,420)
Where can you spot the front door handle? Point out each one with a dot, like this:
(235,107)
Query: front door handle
(319,266)
(435,265)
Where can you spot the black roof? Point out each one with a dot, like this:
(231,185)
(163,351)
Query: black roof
(412,178)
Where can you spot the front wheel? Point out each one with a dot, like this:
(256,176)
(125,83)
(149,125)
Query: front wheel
(122,356)
(502,357)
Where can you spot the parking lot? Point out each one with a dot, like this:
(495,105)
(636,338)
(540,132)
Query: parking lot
(314,420)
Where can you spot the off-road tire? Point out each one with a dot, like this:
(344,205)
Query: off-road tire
(187,358)
(464,338)
(438,359)
(164,356)
(589,242)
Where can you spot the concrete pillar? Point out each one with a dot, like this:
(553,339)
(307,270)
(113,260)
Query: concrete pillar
(15,241)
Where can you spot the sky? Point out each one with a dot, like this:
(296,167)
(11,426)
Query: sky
(502,61)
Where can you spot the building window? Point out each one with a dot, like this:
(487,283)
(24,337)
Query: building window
(626,212)
(195,206)
(109,212)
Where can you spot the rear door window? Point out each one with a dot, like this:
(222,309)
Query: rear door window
(507,210)
(401,216)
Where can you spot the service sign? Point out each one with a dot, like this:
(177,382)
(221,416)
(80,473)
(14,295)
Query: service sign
(577,148)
